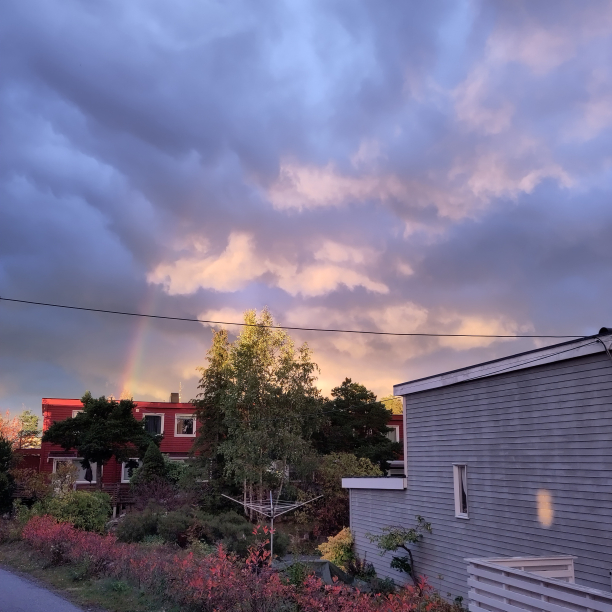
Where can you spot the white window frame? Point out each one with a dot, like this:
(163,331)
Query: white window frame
(159,414)
(94,468)
(397,432)
(123,464)
(459,470)
(75,412)
(185,416)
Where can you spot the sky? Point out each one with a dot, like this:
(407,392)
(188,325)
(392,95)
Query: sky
(434,166)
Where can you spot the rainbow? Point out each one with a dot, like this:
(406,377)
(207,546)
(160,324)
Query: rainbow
(132,370)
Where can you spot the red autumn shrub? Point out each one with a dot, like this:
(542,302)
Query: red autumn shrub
(216,582)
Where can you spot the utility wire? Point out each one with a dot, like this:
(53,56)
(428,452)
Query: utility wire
(318,329)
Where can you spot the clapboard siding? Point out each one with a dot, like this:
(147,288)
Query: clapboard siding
(549,428)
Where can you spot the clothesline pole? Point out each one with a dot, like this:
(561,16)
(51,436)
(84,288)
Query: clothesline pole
(261,507)
(271,529)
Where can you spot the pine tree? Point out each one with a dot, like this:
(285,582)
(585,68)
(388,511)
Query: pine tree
(357,424)
(153,466)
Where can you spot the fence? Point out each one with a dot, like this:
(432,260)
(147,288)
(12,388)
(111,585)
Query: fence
(540,585)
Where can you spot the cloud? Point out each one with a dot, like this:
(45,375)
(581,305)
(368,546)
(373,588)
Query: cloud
(440,166)
(239,264)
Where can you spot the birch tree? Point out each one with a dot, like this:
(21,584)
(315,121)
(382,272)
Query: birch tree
(265,404)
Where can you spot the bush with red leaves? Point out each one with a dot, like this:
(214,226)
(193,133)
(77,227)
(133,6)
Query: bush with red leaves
(216,582)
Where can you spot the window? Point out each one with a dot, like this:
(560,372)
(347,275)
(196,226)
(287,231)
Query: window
(128,467)
(185,425)
(154,423)
(75,412)
(393,435)
(81,477)
(461,490)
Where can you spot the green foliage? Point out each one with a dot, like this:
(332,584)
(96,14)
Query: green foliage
(297,573)
(331,513)
(177,472)
(383,586)
(259,405)
(189,526)
(229,528)
(209,410)
(393,403)
(64,478)
(85,510)
(136,526)
(153,466)
(28,434)
(103,429)
(393,538)
(338,549)
(357,424)
(172,525)
(7,481)
(361,569)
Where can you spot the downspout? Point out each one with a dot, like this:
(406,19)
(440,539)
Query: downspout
(405,418)
(605,331)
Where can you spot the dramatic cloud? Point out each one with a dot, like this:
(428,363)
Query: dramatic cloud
(433,167)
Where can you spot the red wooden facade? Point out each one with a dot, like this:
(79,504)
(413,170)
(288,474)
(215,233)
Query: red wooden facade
(174,418)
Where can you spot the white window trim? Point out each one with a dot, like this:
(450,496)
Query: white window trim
(159,414)
(457,490)
(75,412)
(123,468)
(185,416)
(397,432)
(94,468)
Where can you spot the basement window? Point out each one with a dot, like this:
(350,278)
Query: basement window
(461,490)
(393,435)
(128,468)
(81,473)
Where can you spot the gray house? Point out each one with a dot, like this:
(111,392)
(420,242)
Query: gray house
(510,458)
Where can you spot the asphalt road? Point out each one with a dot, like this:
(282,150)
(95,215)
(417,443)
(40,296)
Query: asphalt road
(20,595)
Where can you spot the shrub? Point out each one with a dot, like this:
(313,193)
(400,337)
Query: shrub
(63,481)
(32,485)
(217,581)
(153,466)
(338,549)
(173,526)
(175,470)
(229,528)
(85,510)
(136,526)
(7,482)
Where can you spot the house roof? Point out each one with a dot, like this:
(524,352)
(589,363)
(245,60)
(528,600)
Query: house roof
(548,354)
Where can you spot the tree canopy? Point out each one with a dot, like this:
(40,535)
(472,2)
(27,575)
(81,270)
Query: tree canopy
(103,429)
(6,478)
(393,403)
(356,423)
(22,431)
(258,395)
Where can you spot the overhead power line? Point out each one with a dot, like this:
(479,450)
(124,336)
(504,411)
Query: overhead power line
(296,328)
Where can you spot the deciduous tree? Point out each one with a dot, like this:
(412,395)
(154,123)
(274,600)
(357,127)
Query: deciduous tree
(262,402)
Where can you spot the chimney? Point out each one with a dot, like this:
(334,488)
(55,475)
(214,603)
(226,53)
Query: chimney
(175,398)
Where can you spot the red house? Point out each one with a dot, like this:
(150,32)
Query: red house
(175,420)
(396,423)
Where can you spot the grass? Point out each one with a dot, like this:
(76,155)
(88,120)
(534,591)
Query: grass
(103,595)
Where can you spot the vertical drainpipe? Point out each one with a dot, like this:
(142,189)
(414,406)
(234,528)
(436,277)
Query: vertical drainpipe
(351,512)
(405,417)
